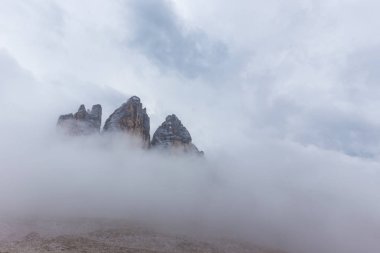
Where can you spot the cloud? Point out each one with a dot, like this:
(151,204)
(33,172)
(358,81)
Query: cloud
(164,39)
(282,96)
(301,200)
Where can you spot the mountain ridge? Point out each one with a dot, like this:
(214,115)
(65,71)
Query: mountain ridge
(132,119)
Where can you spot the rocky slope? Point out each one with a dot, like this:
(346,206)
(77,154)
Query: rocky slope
(83,122)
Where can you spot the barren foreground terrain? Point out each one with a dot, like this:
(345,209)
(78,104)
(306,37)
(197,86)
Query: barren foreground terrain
(104,236)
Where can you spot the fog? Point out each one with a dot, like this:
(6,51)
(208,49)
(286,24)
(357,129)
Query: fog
(282,97)
(274,193)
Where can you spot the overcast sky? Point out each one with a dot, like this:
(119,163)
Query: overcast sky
(283,97)
(303,71)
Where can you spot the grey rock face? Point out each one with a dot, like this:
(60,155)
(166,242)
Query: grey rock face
(131,118)
(173,135)
(83,122)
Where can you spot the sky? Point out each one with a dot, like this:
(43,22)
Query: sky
(301,71)
(281,95)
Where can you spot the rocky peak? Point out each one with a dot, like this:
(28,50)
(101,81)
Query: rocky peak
(173,135)
(131,118)
(83,122)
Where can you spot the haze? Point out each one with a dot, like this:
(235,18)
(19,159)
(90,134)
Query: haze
(281,95)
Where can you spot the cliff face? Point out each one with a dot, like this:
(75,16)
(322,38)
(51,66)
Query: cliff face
(172,135)
(83,122)
(131,118)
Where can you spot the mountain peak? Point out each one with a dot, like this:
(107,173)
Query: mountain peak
(131,118)
(172,135)
(82,122)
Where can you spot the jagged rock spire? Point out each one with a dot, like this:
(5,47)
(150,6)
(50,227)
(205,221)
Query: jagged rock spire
(173,135)
(83,122)
(131,118)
